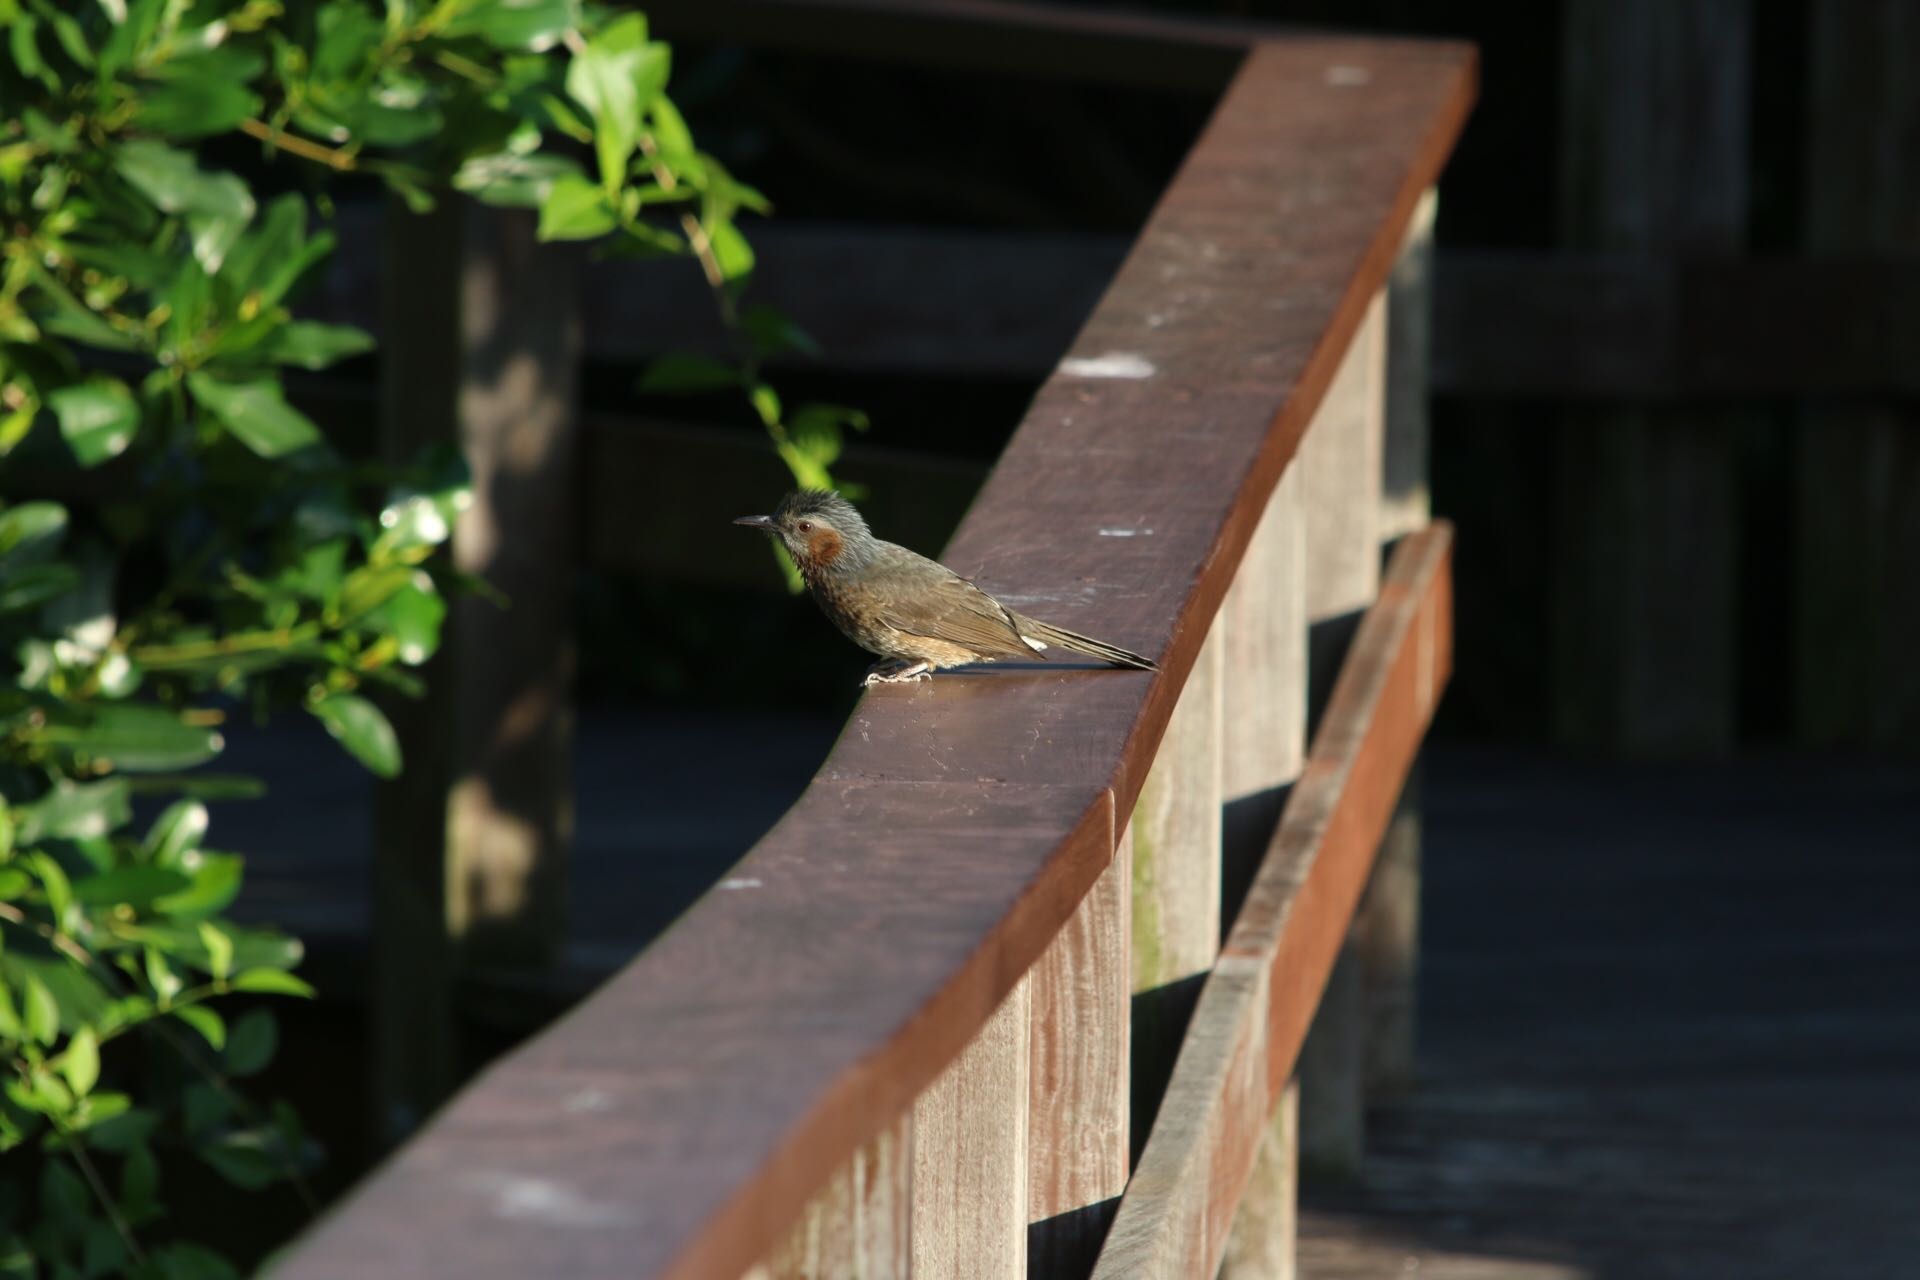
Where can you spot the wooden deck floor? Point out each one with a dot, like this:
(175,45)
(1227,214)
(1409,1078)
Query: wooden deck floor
(1670,1028)
(1670,1020)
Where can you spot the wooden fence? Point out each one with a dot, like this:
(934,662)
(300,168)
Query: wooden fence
(966,1010)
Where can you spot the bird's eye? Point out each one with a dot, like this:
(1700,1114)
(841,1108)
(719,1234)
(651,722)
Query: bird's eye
(805,526)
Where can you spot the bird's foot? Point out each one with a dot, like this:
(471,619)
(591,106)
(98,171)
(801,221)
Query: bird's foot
(896,671)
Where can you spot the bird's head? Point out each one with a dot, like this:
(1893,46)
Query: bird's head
(820,530)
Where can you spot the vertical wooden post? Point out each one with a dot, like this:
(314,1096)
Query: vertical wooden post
(410,997)
(1390,912)
(486,795)
(858,1226)
(1655,141)
(1176,880)
(1263,750)
(1857,558)
(970,1156)
(1077,1154)
(1342,458)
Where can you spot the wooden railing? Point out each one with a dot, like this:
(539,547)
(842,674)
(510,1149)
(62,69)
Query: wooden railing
(911,1031)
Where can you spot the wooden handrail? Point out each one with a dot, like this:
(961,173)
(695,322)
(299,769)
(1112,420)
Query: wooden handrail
(677,1121)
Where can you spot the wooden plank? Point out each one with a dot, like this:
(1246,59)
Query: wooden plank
(958,823)
(970,1155)
(1263,1242)
(859,1226)
(1255,1007)
(1389,929)
(1343,463)
(1176,879)
(1857,543)
(1079,1039)
(1655,122)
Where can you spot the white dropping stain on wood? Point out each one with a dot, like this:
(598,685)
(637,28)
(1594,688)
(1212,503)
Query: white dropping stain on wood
(1114,364)
(521,1199)
(1126,533)
(1344,76)
(741,882)
(592,1101)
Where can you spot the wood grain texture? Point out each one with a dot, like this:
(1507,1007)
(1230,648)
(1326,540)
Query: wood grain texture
(1265,1231)
(1176,879)
(794,1011)
(1078,1081)
(1857,552)
(860,1225)
(1254,1010)
(970,1155)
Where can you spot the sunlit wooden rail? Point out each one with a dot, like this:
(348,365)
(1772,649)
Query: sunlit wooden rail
(914,1030)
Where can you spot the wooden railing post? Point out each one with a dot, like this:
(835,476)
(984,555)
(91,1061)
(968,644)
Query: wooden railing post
(1264,746)
(1390,913)
(1341,465)
(858,1226)
(1176,879)
(483,351)
(969,1192)
(1077,1119)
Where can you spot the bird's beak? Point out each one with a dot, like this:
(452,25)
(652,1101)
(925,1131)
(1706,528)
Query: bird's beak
(756,522)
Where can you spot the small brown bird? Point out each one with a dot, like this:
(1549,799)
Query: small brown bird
(916,614)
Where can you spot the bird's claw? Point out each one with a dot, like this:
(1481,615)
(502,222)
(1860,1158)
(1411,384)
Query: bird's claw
(896,673)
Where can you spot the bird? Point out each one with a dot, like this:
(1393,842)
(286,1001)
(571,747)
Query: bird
(916,613)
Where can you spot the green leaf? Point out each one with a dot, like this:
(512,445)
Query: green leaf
(32,586)
(31,532)
(766,403)
(73,810)
(132,886)
(575,209)
(312,345)
(685,374)
(98,418)
(219,950)
(215,884)
(361,728)
(256,413)
(271,982)
(670,132)
(126,1130)
(508,178)
(216,206)
(134,737)
(515,24)
(412,616)
(204,1020)
(80,1064)
(273,256)
(198,96)
(180,827)
(731,252)
(251,1043)
(613,78)
(42,1020)
(370,586)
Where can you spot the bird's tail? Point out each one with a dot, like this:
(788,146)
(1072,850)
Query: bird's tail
(1052,637)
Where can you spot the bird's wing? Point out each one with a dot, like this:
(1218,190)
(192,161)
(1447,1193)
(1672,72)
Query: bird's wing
(945,606)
